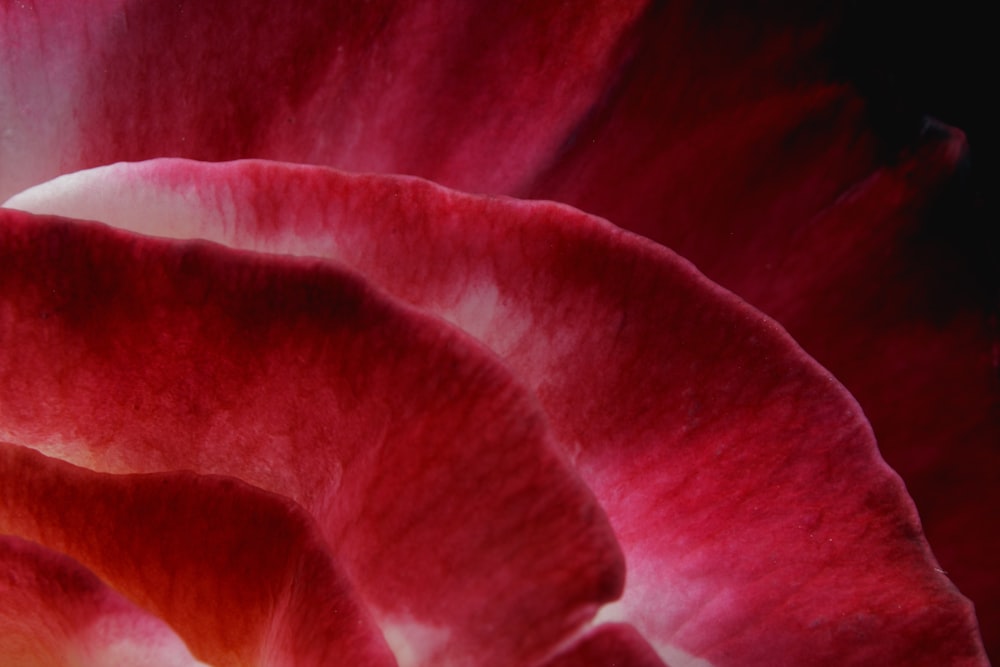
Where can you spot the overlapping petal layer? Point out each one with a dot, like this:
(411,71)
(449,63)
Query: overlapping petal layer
(305,81)
(701,125)
(742,481)
(787,198)
(710,127)
(55,612)
(426,465)
(609,644)
(239,574)
(891,302)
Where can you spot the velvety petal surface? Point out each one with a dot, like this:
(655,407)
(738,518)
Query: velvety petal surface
(304,81)
(760,525)
(786,190)
(55,612)
(426,465)
(610,644)
(241,575)
(711,127)
(889,298)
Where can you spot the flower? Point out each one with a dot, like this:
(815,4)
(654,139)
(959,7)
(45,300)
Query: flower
(631,440)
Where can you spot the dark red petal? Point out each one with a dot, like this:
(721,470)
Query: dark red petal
(304,81)
(723,121)
(776,186)
(55,612)
(784,198)
(888,299)
(613,644)
(743,482)
(426,464)
(712,113)
(241,575)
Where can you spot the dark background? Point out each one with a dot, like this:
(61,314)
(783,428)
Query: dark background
(912,61)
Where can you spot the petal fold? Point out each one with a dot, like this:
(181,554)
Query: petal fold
(56,612)
(610,644)
(240,575)
(306,81)
(427,465)
(758,521)
(715,128)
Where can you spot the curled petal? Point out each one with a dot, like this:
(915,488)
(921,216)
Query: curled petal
(306,81)
(240,575)
(536,101)
(427,466)
(56,612)
(742,481)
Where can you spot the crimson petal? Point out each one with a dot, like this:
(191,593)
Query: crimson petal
(241,575)
(427,466)
(806,219)
(743,482)
(772,180)
(709,127)
(55,612)
(610,644)
(531,101)
(916,340)
(304,81)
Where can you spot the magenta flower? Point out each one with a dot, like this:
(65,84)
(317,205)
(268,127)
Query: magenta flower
(340,403)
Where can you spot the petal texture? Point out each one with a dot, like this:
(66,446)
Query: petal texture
(888,298)
(55,612)
(426,465)
(758,521)
(307,81)
(618,645)
(238,574)
(710,127)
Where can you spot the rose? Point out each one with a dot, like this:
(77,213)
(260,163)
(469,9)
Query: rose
(589,318)
(159,190)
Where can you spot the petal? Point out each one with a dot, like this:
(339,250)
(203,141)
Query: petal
(742,481)
(426,464)
(793,192)
(55,612)
(853,253)
(539,102)
(889,299)
(239,574)
(610,644)
(305,81)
